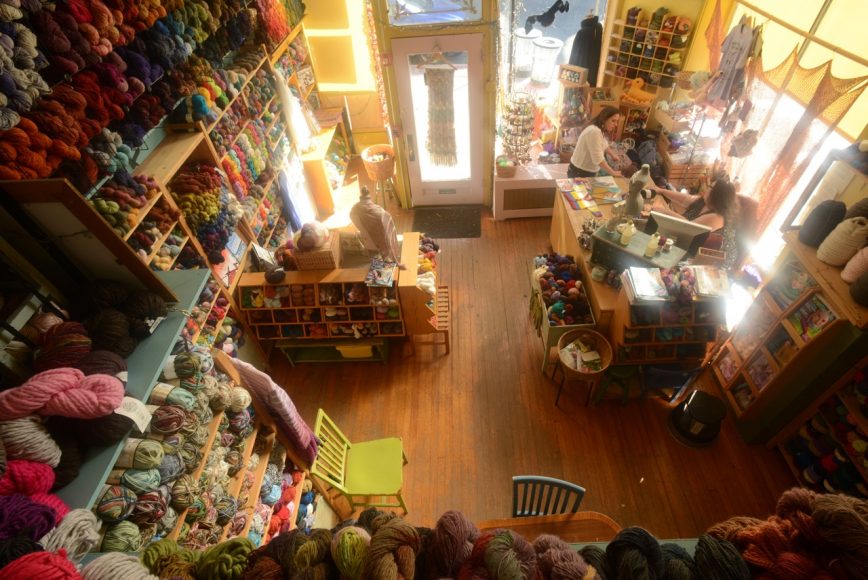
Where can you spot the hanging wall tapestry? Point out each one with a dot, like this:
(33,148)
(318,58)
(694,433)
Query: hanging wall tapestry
(441,116)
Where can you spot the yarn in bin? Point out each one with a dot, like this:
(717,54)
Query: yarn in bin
(140,480)
(64,391)
(27,438)
(171,468)
(115,504)
(13,548)
(77,534)
(141,454)
(239,399)
(349,550)
(27,478)
(184,492)
(239,421)
(167,419)
(149,509)
(122,537)
(45,565)
(165,394)
(114,566)
(20,515)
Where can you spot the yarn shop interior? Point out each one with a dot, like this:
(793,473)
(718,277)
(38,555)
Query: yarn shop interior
(433,289)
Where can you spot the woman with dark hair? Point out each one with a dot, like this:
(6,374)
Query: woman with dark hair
(716,207)
(592,146)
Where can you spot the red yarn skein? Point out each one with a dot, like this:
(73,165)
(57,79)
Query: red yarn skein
(26,477)
(42,565)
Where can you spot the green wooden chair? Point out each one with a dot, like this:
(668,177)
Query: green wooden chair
(367,473)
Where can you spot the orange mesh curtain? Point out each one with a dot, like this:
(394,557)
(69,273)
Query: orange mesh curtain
(828,99)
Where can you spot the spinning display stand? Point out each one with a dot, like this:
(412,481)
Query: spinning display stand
(518,127)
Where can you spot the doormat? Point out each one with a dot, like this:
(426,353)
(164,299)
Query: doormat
(461,221)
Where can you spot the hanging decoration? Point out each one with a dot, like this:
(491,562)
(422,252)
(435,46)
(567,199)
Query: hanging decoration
(376,64)
(441,116)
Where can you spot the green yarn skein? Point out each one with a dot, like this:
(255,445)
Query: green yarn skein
(225,561)
(122,537)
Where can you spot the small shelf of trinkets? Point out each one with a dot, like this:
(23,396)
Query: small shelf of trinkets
(517,128)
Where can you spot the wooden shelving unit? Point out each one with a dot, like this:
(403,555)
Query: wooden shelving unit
(420,308)
(639,51)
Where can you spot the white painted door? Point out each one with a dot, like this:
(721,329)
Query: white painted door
(453,178)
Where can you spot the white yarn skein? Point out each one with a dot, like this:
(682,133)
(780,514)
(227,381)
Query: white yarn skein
(846,239)
(116,566)
(239,400)
(77,533)
(27,438)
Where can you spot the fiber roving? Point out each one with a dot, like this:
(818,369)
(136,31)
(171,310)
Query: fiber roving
(21,515)
(227,560)
(558,561)
(64,391)
(393,552)
(116,566)
(27,438)
(718,560)
(349,550)
(77,533)
(635,552)
(42,565)
(27,478)
(13,548)
(122,537)
(451,543)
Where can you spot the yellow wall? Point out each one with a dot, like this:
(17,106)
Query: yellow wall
(697,56)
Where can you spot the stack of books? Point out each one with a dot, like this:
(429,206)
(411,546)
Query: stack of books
(647,285)
(644,285)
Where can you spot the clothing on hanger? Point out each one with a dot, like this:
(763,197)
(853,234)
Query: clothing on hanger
(737,48)
(586,47)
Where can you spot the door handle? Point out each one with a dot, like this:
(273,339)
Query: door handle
(411,148)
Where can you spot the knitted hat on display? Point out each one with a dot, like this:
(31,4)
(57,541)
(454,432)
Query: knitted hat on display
(821,221)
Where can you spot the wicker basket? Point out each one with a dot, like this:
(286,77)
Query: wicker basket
(508,171)
(600,344)
(379,170)
(327,258)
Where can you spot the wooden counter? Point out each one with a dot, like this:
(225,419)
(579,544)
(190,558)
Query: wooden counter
(566,226)
(572,528)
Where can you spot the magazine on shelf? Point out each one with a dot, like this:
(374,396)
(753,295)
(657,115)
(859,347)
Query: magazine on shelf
(789,283)
(711,281)
(646,284)
(812,317)
(381,273)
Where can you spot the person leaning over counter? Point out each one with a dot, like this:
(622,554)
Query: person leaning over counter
(591,147)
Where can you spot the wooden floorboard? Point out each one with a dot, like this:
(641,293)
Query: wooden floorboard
(473,419)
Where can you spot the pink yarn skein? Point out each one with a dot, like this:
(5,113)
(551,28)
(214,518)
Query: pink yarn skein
(26,477)
(66,392)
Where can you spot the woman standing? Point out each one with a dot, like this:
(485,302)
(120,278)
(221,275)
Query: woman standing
(591,148)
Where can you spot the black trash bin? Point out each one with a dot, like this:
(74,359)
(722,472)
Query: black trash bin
(696,420)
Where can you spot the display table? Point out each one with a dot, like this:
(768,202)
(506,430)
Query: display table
(564,234)
(578,527)
(529,193)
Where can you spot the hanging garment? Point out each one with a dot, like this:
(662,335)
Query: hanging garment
(441,116)
(736,49)
(586,47)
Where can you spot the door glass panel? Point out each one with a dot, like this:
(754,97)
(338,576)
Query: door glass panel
(442,116)
(415,12)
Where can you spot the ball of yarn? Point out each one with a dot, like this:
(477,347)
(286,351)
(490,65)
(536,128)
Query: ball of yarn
(393,551)
(349,550)
(856,266)
(27,438)
(109,330)
(821,221)
(844,241)
(16,547)
(718,559)
(168,522)
(225,560)
(43,322)
(677,562)
(62,346)
(171,468)
(115,504)
(226,507)
(140,480)
(167,419)
(184,492)
(859,290)
(595,556)
(77,534)
(45,565)
(451,543)
(122,537)
(64,391)
(145,454)
(141,306)
(101,362)
(239,399)
(114,566)
(149,509)
(20,514)
(221,396)
(634,551)
(239,421)
(27,478)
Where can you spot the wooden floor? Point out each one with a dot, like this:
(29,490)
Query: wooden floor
(473,419)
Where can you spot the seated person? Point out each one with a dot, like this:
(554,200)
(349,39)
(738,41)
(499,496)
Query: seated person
(716,207)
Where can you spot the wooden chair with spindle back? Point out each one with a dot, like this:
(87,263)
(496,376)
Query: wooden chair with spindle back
(536,495)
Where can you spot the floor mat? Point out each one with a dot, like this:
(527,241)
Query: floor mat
(462,221)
